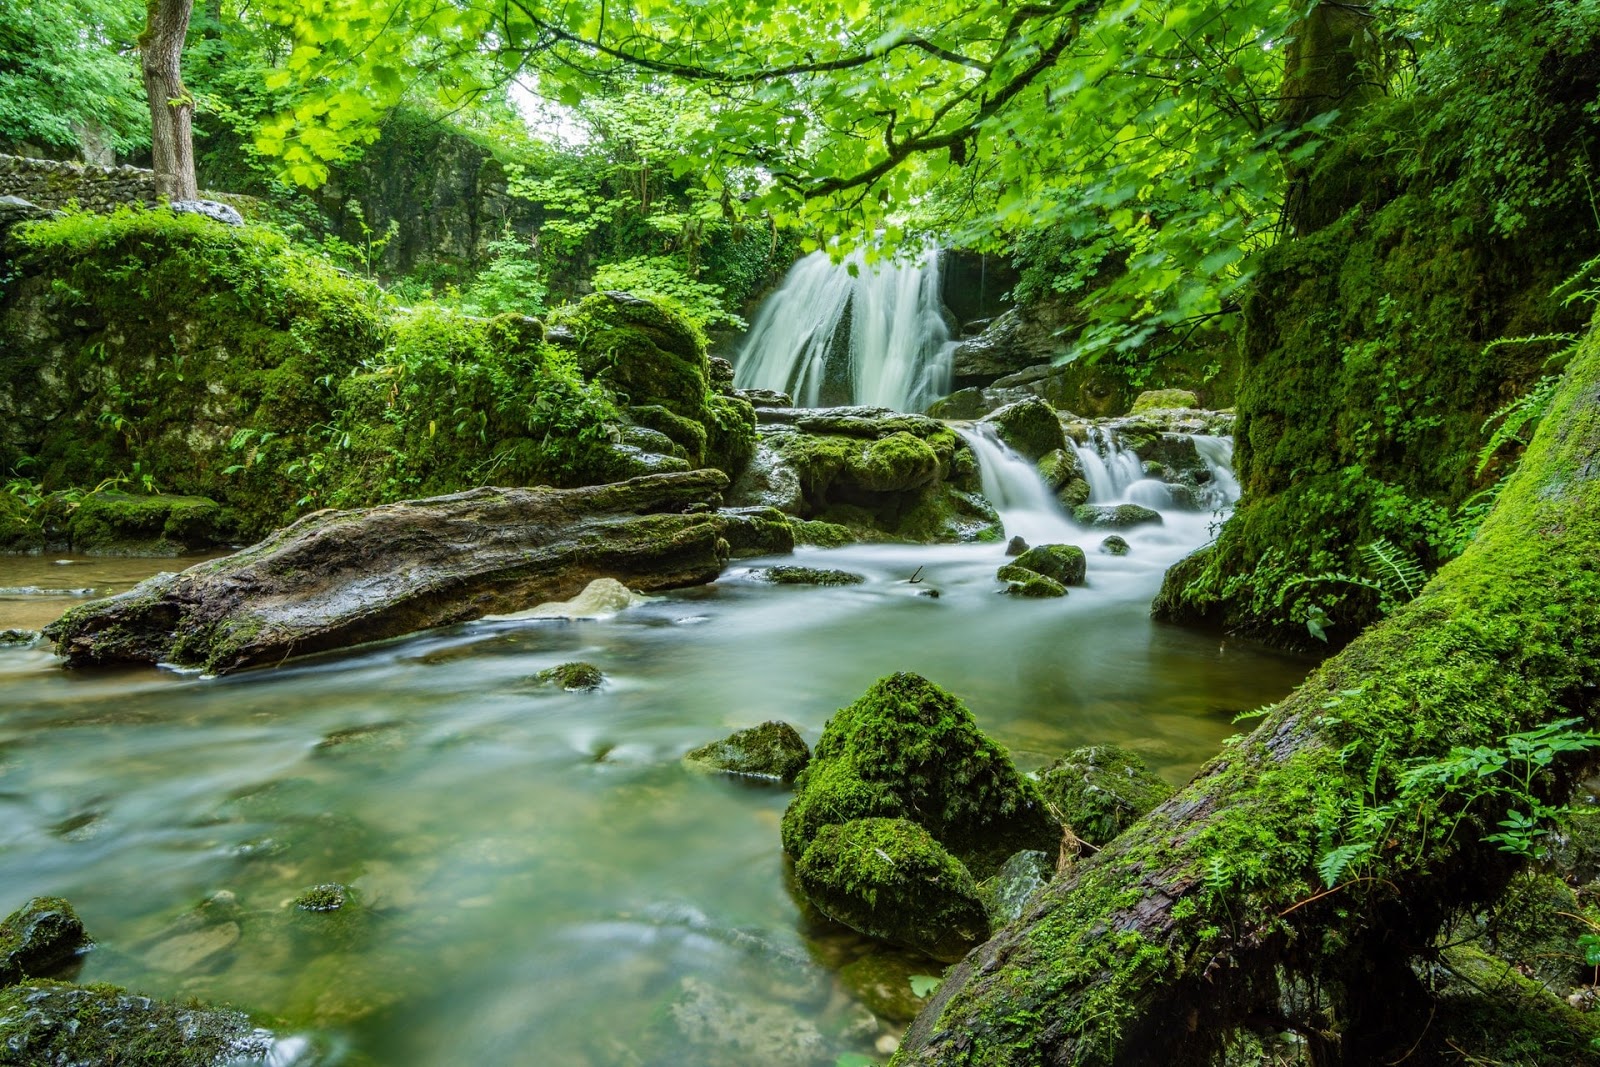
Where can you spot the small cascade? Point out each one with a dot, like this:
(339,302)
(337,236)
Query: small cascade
(852,333)
(1111,468)
(1025,504)
(1223,489)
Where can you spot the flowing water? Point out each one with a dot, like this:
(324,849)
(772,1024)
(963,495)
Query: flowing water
(852,333)
(543,882)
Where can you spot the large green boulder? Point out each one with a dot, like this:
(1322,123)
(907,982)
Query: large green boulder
(773,751)
(112,523)
(1100,790)
(889,879)
(908,749)
(642,350)
(1065,563)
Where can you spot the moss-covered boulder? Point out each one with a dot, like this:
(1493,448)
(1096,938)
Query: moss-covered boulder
(577,677)
(755,531)
(1115,516)
(1031,427)
(1065,563)
(1115,545)
(1164,400)
(889,879)
(642,350)
(1059,468)
(123,524)
(37,938)
(908,749)
(1100,790)
(808,576)
(774,751)
(50,1024)
(1020,581)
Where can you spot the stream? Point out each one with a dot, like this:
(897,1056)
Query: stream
(541,881)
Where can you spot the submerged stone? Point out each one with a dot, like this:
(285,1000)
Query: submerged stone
(788,575)
(1115,545)
(1064,563)
(573,677)
(889,879)
(727,1030)
(38,937)
(908,749)
(1101,790)
(1115,516)
(51,1024)
(774,751)
(882,981)
(1020,581)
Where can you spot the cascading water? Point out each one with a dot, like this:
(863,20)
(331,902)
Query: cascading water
(852,333)
(1025,504)
(1109,466)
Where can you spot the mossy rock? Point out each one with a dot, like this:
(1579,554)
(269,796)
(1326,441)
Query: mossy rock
(774,751)
(20,530)
(889,879)
(1536,924)
(1116,516)
(643,350)
(1031,427)
(38,937)
(689,435)
(730,434)
(577,677)
(1101,790)
(1074,494)
(821,534)
(755,532)
(1115,545)
(808,576)
(20,638)
(51,1024)
(1060,468)
(330,896)
(124,524)
(943,514)
(1006,892)
(1164,400)
(908,749)
(1065,563)
(1020,581)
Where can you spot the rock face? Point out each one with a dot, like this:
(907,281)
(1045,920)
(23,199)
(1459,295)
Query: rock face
(889,879)
(908,749)
(39,936)
(774,751)
(336,579)
(1100,790)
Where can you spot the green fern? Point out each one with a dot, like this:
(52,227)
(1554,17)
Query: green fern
(1517,416)
(1400,575)
(1338,860)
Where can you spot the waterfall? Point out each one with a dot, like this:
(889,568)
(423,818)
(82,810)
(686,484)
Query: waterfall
(852,333)
(1109,466)
(1217,452)
(1026,506)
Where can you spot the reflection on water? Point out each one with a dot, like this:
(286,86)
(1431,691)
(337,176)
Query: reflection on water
(35,590)
(541,881)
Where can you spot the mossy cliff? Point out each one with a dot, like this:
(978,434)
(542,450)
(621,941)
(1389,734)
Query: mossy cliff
(1370,367)
(154,352)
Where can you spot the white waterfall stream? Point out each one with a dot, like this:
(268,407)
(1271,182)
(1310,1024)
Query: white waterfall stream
(852,333)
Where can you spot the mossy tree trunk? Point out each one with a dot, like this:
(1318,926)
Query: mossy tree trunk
(1209,917)
(171,106)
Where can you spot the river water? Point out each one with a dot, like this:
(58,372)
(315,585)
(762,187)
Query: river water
(542,881)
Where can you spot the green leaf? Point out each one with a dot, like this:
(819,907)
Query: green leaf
(923,984)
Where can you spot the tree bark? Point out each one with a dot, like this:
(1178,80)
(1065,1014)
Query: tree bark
(1209,916)
(171,107)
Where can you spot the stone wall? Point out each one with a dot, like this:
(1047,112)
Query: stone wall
(53,183)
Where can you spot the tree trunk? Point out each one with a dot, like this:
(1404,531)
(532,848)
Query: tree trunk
(1209,916)
(171,107)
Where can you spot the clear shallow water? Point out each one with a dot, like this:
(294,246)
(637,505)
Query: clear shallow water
(544,882)
(35,590)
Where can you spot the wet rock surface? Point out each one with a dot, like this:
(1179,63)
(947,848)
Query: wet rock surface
(335,579)
(773,751)
(38,938)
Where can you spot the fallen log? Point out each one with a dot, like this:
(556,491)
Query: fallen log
(1213,916)
(339,578)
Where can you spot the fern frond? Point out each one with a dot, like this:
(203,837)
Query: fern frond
(1334,864)
(1400,574)
(1516,417)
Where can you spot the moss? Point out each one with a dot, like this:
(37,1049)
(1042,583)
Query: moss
(99,1026)
(908,749)
(328,897)
(1064,563)
(38,937)
(1099,791)
(821,534)
(1060,468)
(113,523)
(1490,1013)
(1164,400)
(808,576)
(755,531)
(1115,516)
(1031,427)
(730,434)
(774,750)
(688,434)
(19,527)
(1115,545)
(889,879)
(642,350)
(573,677)
(1020,581)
